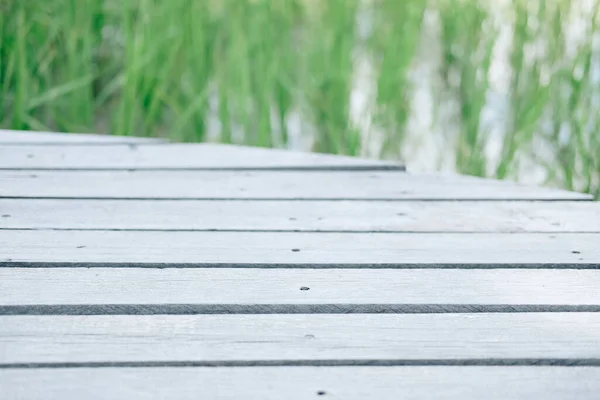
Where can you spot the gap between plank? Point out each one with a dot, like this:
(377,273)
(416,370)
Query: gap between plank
(274,199)
(379,231)
(8,263)
(197,309)
(563,362)
(322,168)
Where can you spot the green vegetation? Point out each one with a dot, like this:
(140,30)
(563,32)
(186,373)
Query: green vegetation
(515,84)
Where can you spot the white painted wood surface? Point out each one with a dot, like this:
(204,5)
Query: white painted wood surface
(300,338)
(178,156)
(471,294)
(82,290)
(171,249)
(303,383)
(401,216)
(296,185)
(31,138)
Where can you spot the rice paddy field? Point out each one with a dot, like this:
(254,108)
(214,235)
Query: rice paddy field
(506,89)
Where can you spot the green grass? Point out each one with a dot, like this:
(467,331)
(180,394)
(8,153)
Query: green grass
(241,71)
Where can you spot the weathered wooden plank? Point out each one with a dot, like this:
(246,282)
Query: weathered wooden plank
(312,250)
(300,383)
(302,339)
(352,185)
(323,216)
(30,138)
(263,291)
(178,156)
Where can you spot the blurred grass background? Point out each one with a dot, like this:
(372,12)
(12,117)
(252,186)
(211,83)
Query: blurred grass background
(507,89)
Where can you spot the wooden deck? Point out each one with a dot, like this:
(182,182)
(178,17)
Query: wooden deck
(138,269)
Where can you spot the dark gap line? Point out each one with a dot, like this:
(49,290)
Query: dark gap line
(240,230)
(333,199)
(325,168)
(541,362)
(283,200)
(8,263)
(260,309)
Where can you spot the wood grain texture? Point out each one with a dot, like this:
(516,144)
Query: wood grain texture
(184,291)
(30,138)
(311,250)
(368,216)
(300,338)
(178,156)
(303,383)
(337,185)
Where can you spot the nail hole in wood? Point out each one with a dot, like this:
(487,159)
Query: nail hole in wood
(5,215)
(304,288)
(401,214)
(80,247)
(29,155)
(292,219)
(576,252)
(309,336)
(321,393)
(295,250)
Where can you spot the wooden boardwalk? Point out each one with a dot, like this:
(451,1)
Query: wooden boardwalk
(138,269)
